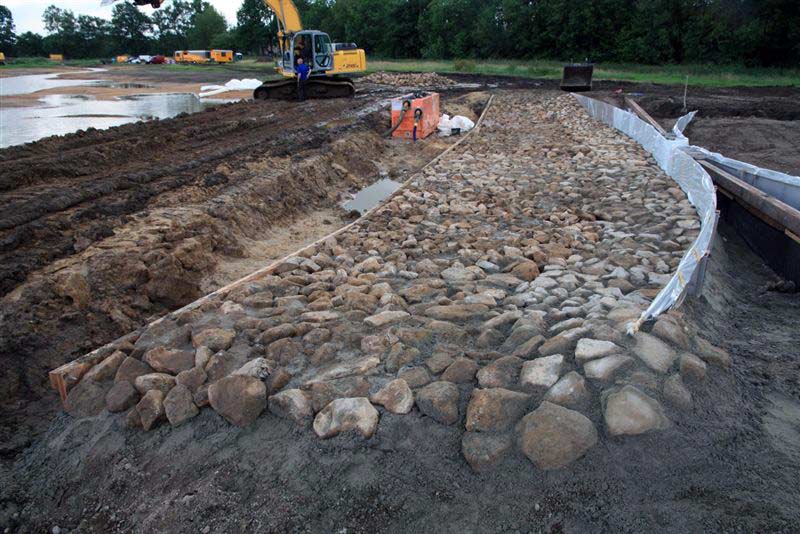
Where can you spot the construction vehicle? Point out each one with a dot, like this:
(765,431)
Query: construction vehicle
(57,57)
(123,58)
(2,58)
(204,56)
(327,65)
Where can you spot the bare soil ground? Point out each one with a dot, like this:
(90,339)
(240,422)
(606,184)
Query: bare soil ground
(103,230)
(759,125)
(731,464)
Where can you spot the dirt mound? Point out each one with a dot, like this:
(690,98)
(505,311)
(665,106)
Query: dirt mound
(410,79)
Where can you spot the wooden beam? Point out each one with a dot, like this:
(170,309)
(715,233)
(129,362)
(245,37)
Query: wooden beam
(636,108)
(766,207)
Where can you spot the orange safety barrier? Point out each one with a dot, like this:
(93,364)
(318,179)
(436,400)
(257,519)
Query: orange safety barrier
(422,112)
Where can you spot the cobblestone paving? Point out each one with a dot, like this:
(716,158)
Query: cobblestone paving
(491,293)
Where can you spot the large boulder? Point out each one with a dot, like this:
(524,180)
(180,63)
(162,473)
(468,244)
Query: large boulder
(541,373)
(629,411)
(179,405)
(713,354)
(130,369)
(106,369)
(462,370)
(86,399)
(655,353)
(676,392)
(173,362)
(151,408)
(439,401)
(589,349)
(671,329)
(386,318)
(495,410)
(240,399)
(501,373)
(215,339)
(456,312)
(604,368)
(692,367)
(121,396)
(322,393)
(553,436)
(569,391)
(192,379)
(341,415)
(160,381)
(292,404)
(395,396)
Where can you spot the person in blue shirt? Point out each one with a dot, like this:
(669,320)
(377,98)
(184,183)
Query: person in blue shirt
(302,71)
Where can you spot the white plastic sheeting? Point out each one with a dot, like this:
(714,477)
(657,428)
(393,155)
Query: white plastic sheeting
(682,123)
(231,85)
(784,187)
(446,124)
(693,180)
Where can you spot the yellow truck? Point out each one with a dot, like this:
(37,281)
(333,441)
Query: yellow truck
(123,58)
(222,56)
(204,56)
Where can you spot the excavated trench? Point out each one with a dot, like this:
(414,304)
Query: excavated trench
(105,230)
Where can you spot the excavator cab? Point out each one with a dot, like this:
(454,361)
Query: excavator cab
(314,47)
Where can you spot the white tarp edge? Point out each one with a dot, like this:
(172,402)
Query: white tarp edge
(231,85)
(692,179)
(782,186)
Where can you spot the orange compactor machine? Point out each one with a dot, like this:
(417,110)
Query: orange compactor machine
(415,115)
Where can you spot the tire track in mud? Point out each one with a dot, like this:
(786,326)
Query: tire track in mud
(40,222)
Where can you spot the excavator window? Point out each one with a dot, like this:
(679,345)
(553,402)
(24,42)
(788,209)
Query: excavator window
(323,56)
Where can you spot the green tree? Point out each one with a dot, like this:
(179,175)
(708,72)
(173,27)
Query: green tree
(129,28)
(7,36)
(95,34)
(30,44)
(256,28)
(207,24)
(62,26)
(228,40)
(171,24)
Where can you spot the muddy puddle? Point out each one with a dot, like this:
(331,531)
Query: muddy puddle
(63,114)
(371,196)
(24,85)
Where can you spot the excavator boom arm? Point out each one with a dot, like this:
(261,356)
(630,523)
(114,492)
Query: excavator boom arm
(288,16)
(285,10)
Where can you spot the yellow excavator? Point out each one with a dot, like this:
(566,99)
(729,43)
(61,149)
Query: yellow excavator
(329,63)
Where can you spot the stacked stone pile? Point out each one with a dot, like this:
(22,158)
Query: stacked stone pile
(409,79)
(504,276)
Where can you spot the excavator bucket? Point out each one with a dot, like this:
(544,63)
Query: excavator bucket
(577,77)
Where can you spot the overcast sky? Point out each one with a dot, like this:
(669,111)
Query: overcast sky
(28,13)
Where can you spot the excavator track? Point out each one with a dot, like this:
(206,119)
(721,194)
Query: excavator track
(287,89)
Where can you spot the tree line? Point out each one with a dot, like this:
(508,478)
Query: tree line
(177,25)
(749,32)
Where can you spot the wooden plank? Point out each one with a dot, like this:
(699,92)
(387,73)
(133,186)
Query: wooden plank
(764,206)
(636,108)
